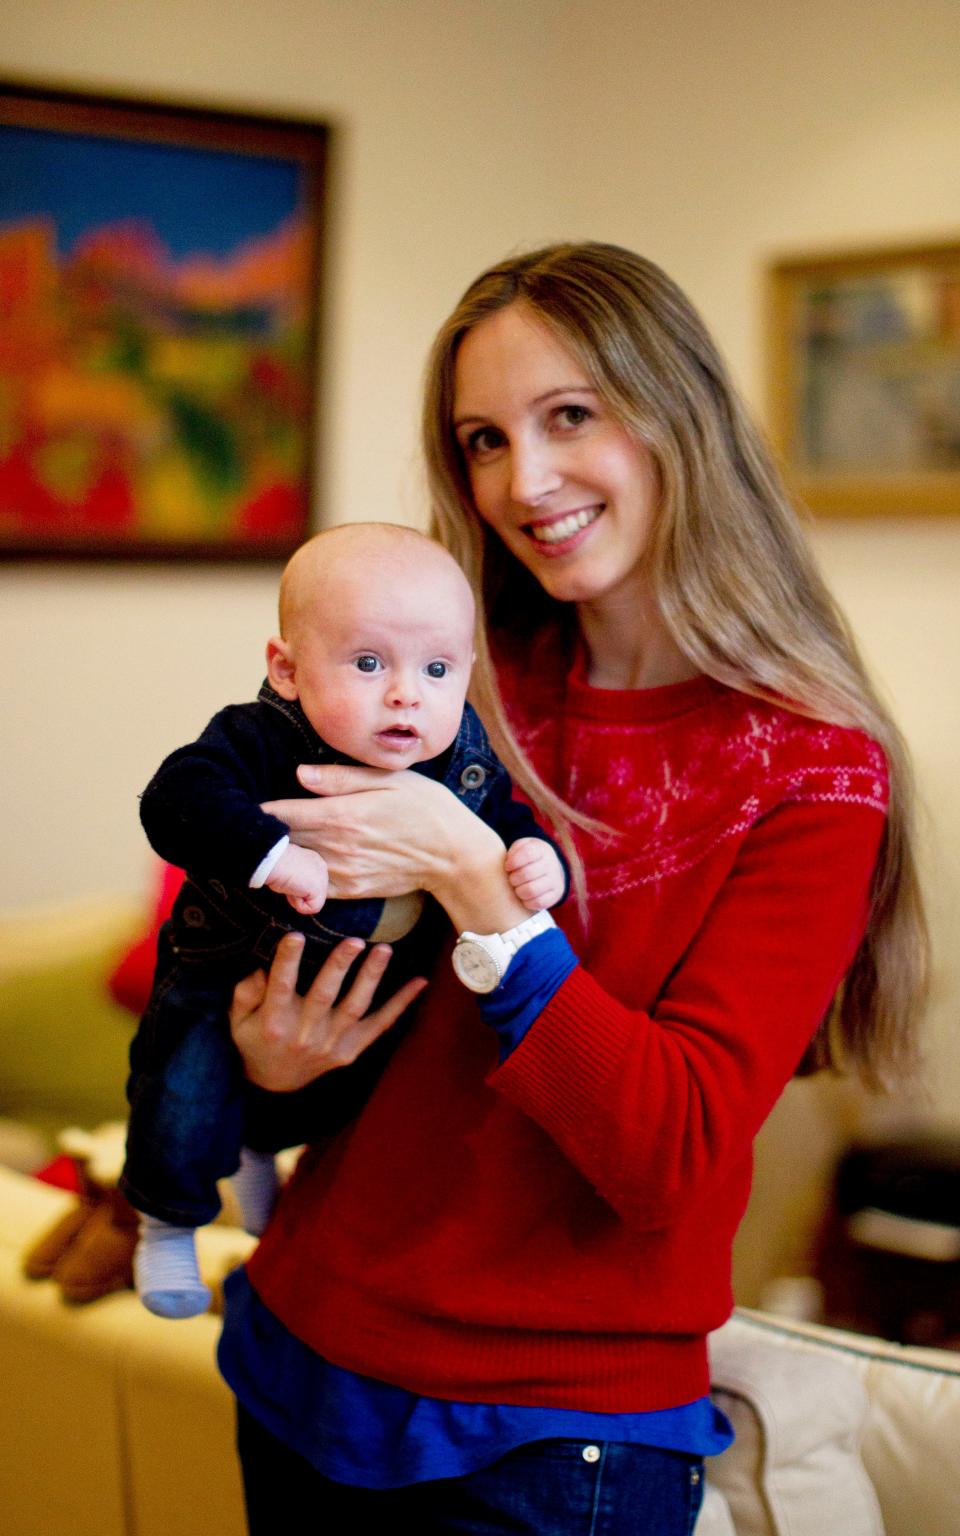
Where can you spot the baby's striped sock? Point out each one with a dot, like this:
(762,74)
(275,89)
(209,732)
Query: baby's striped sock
(256,1184)
(165,1270)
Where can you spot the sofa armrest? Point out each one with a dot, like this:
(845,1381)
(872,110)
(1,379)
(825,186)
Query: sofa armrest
(836,1431)
(795,1467)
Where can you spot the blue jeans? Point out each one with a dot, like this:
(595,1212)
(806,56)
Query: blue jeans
(548,1488)
(191,1107)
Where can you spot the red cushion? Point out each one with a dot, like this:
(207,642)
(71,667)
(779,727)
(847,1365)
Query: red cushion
(61,1173)
(130,982)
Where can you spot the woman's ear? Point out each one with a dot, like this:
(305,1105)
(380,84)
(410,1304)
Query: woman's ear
(281,667)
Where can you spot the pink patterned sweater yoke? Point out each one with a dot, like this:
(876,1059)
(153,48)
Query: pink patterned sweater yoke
(556,1230)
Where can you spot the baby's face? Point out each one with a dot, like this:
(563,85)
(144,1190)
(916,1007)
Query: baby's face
(383,676)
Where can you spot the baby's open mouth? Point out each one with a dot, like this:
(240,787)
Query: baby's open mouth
(402,733)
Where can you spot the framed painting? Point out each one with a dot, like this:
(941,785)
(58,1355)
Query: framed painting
(159,328)
(864,379)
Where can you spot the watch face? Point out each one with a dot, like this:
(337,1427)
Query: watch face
(475,966)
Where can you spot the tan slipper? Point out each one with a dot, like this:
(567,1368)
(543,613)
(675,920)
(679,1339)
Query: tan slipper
(100,1259)
(41,1260)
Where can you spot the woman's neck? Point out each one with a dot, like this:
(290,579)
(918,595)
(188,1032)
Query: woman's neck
(628,645)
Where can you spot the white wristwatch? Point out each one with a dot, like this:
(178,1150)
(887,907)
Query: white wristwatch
(481,959)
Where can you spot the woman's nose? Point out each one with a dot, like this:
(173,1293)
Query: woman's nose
(534,472)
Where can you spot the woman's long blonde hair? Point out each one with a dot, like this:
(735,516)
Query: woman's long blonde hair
(737,584)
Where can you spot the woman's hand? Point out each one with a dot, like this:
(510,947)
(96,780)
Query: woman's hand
(385,834)
(380,833)
(286,1040)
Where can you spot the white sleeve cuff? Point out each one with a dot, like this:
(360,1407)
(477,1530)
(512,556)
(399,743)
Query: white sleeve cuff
(268,864)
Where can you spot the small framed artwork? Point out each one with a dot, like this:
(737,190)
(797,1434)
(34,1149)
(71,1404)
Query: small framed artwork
(160,280)
(864,379)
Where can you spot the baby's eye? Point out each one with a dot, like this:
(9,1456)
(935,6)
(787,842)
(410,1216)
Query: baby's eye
(367,664)
(436,669)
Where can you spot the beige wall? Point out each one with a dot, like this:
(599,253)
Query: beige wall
(708,133)
(443,159)
(717,134)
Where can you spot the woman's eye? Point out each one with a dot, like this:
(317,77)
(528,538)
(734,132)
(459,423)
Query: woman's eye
(436,669)
(367,664)
(484,440)
(573,415)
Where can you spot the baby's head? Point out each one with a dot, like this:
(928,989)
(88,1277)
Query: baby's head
(376,641)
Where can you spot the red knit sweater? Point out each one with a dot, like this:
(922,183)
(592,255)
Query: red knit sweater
(557,1230)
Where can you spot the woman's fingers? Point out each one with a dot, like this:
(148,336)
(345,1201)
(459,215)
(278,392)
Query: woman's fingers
(338,779)
(248,994)
(389,1012)
(285,968)
(342,1026)
(286,1039)
(359,1032)
(325,988)
(345,1030)
(325,779)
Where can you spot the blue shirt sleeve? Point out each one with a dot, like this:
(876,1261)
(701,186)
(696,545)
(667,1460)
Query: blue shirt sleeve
(533,976)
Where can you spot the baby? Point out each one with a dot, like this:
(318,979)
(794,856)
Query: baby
(371,666)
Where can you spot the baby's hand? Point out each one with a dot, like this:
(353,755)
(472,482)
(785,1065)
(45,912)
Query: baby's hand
(301,876)
(535,873)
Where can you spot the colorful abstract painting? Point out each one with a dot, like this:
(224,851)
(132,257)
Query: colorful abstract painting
(159,283)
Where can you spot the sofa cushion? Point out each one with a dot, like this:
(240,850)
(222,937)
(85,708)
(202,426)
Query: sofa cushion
(63,1043)
(795,1468)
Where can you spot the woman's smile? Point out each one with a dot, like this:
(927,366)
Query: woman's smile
(559,533)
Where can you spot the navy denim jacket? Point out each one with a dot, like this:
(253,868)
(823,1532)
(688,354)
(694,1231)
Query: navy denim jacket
(201,812)
(191,1108)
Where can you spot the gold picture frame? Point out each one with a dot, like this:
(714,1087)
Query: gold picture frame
(864,379)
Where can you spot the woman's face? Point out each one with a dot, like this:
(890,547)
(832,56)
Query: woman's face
(569,491)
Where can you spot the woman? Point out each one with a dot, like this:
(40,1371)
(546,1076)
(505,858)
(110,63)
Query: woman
(485,1305)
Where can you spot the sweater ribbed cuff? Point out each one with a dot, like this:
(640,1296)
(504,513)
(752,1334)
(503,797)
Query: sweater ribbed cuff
(533,976)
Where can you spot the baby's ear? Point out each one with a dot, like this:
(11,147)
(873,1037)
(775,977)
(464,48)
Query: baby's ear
(281,668)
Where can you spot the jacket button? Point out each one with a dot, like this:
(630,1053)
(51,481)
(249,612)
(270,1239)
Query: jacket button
(473,776)
(591,1453)
(194,917)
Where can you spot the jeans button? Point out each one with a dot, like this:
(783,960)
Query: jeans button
(473,776)
(591,1453)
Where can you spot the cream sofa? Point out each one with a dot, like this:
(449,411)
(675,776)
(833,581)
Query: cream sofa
(112,1422)
(115,1423)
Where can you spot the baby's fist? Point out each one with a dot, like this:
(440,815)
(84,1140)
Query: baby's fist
(535,872)
(301,875)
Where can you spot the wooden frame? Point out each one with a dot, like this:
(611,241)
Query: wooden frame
(159,328)
(864,378)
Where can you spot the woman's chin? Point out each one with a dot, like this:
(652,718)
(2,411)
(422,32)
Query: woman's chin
(579,583)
